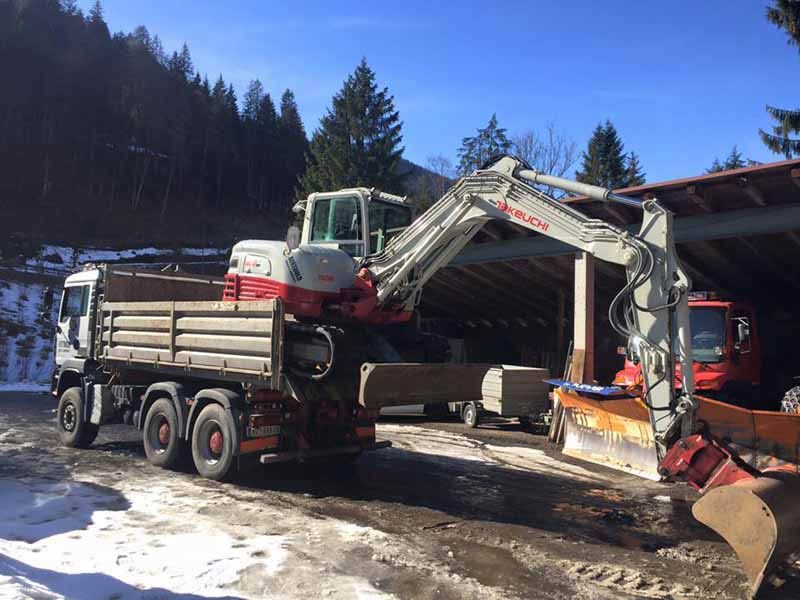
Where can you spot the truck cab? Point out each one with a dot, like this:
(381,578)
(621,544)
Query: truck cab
(726,351)
(75,326)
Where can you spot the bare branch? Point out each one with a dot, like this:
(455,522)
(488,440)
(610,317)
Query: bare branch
(548,151)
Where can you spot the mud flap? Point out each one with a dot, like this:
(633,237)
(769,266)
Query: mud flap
(759,518)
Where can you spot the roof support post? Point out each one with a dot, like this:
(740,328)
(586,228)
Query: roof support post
(583,345)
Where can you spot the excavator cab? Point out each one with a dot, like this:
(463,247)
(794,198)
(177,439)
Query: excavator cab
(358,221)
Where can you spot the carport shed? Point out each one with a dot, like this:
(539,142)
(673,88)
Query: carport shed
(511,294)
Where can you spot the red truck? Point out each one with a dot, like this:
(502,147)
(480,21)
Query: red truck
(726,348)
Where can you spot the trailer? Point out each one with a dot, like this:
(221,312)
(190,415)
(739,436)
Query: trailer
(196,375)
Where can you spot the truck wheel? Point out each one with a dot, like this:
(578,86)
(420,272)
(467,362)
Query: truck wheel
(160,434)
(470,415)
(73,431)
(525,422)
(212,445)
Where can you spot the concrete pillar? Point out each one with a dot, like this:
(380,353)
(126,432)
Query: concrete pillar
(583,344)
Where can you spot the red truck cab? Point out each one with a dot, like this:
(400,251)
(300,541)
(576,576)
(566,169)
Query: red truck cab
(726,350)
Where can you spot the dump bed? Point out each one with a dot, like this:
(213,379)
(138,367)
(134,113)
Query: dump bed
(237,341)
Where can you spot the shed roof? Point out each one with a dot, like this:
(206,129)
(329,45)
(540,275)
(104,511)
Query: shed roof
(738,233)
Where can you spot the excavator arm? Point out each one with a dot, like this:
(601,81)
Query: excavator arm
(650,310)
(756,512)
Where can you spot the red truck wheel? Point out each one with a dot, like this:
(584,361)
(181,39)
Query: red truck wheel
(160,434)
(212,443)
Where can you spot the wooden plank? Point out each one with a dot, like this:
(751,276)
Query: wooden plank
(220,360)
(257,307)
(397,384)
(134,338)
(138,352)
(225,324)
(223,343)
(147,322)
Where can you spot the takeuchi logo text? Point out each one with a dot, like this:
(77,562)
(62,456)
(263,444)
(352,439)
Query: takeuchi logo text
(521,215)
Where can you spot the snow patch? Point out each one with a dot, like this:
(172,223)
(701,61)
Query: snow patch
(537,460)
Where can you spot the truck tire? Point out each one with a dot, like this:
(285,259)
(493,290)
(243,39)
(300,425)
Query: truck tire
(791,401)
(73,431)
(470,415)
(212,443)
(161,435)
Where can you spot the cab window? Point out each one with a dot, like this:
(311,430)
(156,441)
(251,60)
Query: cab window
(75,302)
(336,219)
(386,220)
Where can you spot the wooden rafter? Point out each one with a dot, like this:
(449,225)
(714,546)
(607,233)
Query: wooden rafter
(699,197)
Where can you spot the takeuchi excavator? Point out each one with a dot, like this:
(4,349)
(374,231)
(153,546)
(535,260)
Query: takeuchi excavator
(360,263)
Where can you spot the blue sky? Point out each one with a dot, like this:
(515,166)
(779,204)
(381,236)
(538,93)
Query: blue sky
(683,81)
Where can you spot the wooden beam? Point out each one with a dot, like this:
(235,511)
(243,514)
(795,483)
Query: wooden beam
(795,176)
(494,285)
(720,225)
(752,192)
(697,196)
(776,271)
(794,236)
(583,322)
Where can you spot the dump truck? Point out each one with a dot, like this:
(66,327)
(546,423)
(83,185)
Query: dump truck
(352,280)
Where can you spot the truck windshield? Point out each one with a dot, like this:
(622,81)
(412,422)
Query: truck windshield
(386,220)
(336,219)
(708,333)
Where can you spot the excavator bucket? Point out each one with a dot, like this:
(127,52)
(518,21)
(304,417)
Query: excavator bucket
(615,433)
(759,518)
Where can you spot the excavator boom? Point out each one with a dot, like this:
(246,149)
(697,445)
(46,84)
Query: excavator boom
(651,311)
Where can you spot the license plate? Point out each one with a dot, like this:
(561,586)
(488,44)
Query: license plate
(265,431)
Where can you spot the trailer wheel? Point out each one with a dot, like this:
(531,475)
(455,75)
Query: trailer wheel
(470,415)
(212,444)
(160,434)
(525,422)
(73,431)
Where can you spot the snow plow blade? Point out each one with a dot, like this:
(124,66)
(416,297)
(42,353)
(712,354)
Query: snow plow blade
(614,433)
(759,518)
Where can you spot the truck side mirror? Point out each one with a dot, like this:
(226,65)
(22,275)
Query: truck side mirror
(744,331)
(742,344)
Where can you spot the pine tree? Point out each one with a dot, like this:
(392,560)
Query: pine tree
(784,14)
(181,63)
(604,160)
(734,161)
(634,174)
(293,144)
(358,140)
(476,150)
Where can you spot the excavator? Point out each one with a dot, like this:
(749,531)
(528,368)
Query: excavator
(360,265)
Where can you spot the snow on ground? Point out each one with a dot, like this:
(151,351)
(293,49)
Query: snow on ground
(67,259)
(26,349)
(84,540)
(152,534)
(442,444)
